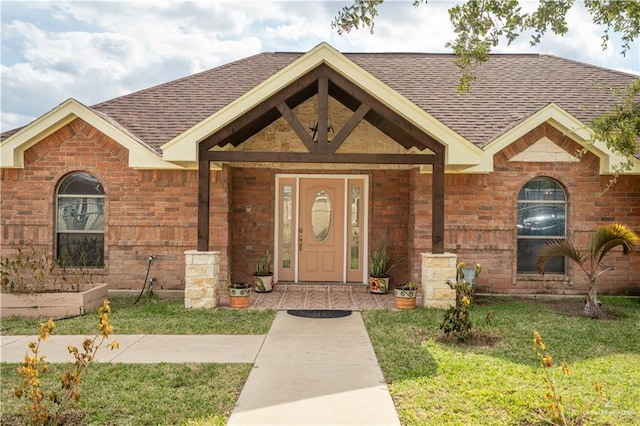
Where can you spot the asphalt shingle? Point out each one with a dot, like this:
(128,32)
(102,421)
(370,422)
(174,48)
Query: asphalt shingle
(508,89)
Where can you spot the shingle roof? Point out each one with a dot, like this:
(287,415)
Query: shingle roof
(508,89)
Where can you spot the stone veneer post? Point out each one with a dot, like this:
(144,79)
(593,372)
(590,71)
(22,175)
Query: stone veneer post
(436,270)
(202,269)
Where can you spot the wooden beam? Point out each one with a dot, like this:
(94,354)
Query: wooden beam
(352,90)
(437,213)
(317,157)
(262,110)
(296,126)
(204,183)
(348,127)
(323,113)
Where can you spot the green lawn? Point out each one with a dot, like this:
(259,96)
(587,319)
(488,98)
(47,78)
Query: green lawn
(151,316)
(145,394)
(495,380)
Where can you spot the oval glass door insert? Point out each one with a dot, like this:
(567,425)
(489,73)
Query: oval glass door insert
(321,216)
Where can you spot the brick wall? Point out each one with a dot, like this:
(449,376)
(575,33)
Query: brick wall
(388,220)
(253,230)
(252,218)
(481,216)
(147,212)
(155,212)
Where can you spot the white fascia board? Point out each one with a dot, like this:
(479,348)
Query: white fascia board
(184,146)
(12,149)
(562,121)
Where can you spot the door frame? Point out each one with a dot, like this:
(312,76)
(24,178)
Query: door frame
(296,209)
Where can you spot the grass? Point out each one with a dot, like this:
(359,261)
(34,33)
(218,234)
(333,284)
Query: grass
(498,380)
(152,316)
(495,380)
(145,394)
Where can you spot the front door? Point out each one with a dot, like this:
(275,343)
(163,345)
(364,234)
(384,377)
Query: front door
(319,234)
(321,230)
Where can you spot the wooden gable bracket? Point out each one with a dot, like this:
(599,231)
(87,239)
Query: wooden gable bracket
(322,144)
(321,81)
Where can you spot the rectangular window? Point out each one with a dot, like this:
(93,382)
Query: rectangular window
(287,226)
(541,219)
(83,250)
(527,251)
(354,236)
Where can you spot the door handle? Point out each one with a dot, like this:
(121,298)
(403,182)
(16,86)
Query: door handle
(300,239)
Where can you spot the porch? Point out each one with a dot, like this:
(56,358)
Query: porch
(322,296)
(204,290)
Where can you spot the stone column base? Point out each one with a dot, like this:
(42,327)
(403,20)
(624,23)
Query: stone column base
(436,270)
(201,279)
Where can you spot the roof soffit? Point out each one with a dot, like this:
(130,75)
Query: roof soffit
(184,148)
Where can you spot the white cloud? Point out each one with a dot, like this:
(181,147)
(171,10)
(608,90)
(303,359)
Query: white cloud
(94,51)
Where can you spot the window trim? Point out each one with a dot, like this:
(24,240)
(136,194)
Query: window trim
(519,237)
(58,232)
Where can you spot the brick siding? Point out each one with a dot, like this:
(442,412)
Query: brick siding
(155,212)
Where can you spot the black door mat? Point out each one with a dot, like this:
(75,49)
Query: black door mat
(318,313)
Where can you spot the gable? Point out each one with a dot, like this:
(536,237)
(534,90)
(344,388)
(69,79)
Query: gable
(280,137)
(12,149)
(344,76)
(569,133)
(544,150)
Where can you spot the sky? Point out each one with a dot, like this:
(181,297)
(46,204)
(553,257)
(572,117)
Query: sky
(94,51)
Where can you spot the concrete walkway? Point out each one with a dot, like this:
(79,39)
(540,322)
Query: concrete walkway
(143,349)
(306,371)
(315,372)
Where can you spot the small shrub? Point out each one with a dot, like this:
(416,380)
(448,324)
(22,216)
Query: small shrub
(457,319)
(48,409)
(559,409)
(34,273)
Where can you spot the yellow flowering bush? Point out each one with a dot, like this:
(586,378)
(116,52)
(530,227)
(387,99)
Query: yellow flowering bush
(557,409)
(48,411)
(457,320)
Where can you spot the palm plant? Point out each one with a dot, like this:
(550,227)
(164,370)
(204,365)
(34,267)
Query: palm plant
(605,239)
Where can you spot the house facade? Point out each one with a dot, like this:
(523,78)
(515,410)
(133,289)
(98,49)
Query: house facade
(319,157)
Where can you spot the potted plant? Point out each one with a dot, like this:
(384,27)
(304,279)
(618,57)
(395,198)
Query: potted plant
(406,295)
(263,277)
(380,265)
(239,294)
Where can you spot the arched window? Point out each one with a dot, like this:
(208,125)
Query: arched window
(80,221)
(542,216)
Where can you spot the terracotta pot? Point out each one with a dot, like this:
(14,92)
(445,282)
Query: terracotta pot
(240,295)
(405,298)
